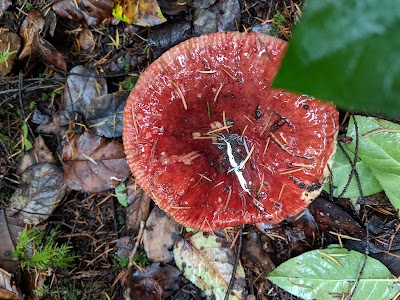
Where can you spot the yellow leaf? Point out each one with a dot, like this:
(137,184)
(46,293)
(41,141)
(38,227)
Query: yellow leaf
(138,12)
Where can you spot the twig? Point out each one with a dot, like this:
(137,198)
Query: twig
(138,238)
(233,278)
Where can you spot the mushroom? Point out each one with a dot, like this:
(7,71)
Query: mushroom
(214,146)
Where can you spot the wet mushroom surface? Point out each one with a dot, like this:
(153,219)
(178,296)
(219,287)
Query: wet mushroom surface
(214,146)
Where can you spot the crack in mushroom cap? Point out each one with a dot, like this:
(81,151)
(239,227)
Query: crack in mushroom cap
(214,146)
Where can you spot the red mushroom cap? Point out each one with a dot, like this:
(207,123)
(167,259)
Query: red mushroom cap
(214,146)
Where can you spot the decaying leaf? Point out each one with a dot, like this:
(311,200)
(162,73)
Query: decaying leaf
(92,164)
(145,288)
(40,191)
(139,12)
(10,227)
(30,32)
(138,207)
(208,264)
(104,114)
(4,5)
(7,290)
(9,47)
(92,11)
(159,236)
(86,40)
(61,122)
(39,153)
(82,88)
(48,53)
(32,26)
(167,278)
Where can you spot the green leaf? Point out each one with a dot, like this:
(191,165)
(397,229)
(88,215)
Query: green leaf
(205,262)
(331,274)
(345,51)
(120,193)
(378,148)
(27,144)
(341,171)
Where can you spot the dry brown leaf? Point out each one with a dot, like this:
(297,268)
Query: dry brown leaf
(39,153)
(40,191)
(138,207)
(86,40)
(9,42)
(92,164)
(92,11)
(61,122)
(32,25)
(159,236)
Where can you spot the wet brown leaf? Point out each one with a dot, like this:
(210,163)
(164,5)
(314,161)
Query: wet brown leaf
(253,254)
(32,26)
(138,207)
(159,236)
(40,191)
(7,290)
(92,11)
(49,54)
(145,288)
(39,153)
(10,227)
(86,40)
(167,276)
(82,89)
(92,164)
(9,42)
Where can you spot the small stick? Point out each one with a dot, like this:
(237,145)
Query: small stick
(219,129)
(266,125)
(266,146)
(218,184)
(291,171)
(233,278)
(248,119)
(227,200)
(281,192)
(207,71)
(227,73)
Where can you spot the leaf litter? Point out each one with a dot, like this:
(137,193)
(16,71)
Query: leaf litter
(103,55)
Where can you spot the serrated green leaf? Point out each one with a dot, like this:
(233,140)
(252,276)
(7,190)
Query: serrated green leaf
(378,148)
(345,51)
(205,262)
(120,193)
(341,171)
(331,274)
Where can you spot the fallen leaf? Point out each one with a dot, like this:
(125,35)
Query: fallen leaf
(62,122)
(208,264)
(92,11)
(7,289)
(145,288)
(174,7)
(138,207)
(86,40)
(92,164)
(4,5)
(31,26)
(139,12)
(49,54)
(167,277)
(104,114)
(159,236)
(40,191)
(9,46)
(39,153)
(82,88)
(10,227)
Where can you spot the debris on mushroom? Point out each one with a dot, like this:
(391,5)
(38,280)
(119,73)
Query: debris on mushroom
(214,146)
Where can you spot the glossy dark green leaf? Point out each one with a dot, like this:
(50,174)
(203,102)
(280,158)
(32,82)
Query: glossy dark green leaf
(346,51)
(331,274)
